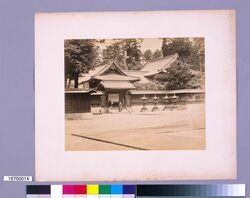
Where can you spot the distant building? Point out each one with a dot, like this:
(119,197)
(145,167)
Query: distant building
(109,86)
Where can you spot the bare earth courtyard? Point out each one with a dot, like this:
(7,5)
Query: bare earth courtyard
(162,130)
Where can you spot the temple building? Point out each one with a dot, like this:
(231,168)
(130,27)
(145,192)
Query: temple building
(109,86)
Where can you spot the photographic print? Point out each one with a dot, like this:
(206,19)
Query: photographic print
(135,94)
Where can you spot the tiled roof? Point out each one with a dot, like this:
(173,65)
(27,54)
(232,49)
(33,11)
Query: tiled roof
(77,90)
(97,93)
(138,74)
(157,66)
(92,72)
(85,78)
(135,72)
(149,69)
(117,85)
(97,69)
(97,72)
(116,77)
(107,66)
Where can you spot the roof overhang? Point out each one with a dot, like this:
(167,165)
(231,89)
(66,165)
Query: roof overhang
(97,93)
(76,90)
(118,85)
(115,77)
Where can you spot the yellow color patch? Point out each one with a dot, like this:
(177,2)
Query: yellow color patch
(92,189)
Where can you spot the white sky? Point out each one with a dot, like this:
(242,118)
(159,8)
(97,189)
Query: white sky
(151,43)
(148,43)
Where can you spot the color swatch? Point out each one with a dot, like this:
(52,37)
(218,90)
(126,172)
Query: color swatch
(38,191)
(135,191)
(202,190)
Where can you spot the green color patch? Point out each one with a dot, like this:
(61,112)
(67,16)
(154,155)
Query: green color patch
(104,189)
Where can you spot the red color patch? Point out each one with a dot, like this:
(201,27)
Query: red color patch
(80,189)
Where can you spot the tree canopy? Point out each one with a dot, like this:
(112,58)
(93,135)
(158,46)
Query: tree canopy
(125,51)
(178,76)
(191,51)
(148,55)
(80,57)
(157,54)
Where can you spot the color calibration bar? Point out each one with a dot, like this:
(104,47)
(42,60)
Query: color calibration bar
(136,191)
(81,191)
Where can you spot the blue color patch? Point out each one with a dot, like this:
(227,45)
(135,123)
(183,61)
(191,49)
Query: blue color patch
(128,189)
(116,189)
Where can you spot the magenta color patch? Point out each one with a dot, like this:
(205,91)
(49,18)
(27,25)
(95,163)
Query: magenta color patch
(68,189)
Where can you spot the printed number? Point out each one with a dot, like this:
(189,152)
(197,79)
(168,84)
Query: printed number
(19,178)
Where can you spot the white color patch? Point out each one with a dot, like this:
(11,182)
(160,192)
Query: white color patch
(56,191)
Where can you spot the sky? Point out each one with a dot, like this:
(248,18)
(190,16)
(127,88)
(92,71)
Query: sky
(148,43)
(151,43)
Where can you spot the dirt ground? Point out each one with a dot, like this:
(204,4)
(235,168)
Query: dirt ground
(161,130)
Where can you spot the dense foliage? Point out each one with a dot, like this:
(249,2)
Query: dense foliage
(189,51)
(80,56)
(180,76)
(126,52)
(149,55)
(154,85)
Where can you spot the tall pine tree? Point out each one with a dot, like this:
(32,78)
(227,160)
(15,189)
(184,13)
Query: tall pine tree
(80,56)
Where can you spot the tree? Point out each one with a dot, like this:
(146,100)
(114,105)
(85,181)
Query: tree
(157,54)
(199,53)
(198,81)
(190,50)
(148,55)
(115,52)
(80,56)
(132,47)
(149,85)
(125,51)
(176,76)
(182,46)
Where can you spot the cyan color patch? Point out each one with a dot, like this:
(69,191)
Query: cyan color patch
(116,189)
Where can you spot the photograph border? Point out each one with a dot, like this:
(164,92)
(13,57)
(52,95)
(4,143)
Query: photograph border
(52,28)
(147,112)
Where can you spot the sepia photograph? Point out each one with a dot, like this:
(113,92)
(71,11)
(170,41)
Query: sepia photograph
(150,93)
(135,94)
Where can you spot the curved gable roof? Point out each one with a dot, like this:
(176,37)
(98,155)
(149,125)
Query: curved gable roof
(108,66)
(157,66)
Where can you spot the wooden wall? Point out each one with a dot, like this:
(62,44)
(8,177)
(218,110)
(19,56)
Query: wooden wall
(187,98)
(82,102)
(77,103)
